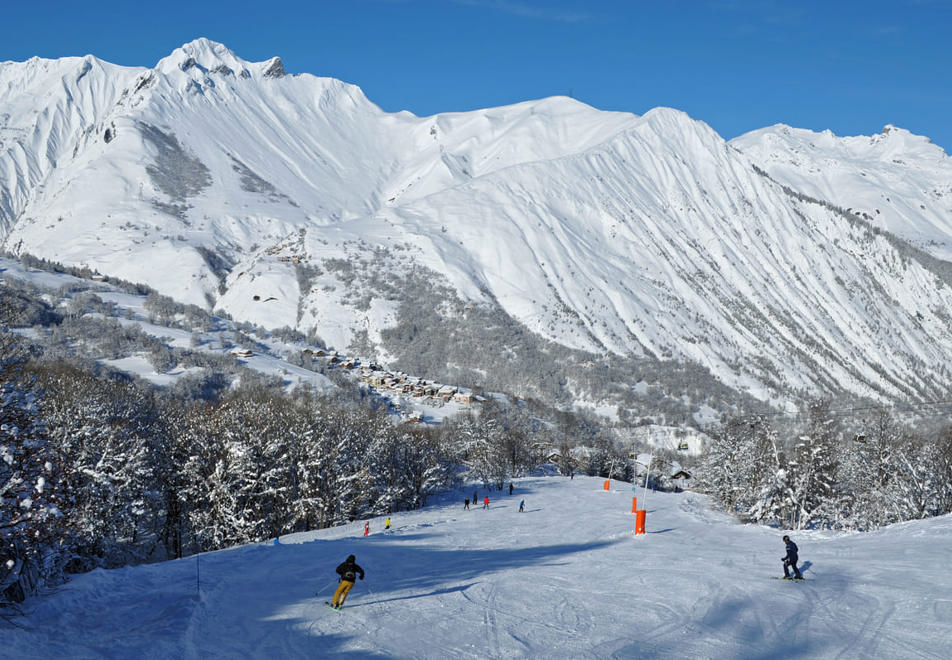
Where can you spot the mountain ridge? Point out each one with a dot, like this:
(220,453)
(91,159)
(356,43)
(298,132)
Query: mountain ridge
(864,174)
(224,183)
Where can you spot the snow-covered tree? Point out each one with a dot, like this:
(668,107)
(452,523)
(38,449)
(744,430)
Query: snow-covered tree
(943,471)
(866,494)
(216,480)
(104,431)
(745,466)
(238,477)
(813,467)
(718,469)
(565,460)
(487,458)
(408,464)
(774,497)
(30,531)
(315,504)
(354,483)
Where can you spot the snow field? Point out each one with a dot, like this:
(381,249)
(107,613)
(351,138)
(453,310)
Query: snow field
(565,579)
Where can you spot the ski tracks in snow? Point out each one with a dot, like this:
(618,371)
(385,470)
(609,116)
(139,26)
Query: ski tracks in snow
(568,580)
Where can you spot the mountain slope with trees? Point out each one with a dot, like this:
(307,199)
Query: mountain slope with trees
(293,201)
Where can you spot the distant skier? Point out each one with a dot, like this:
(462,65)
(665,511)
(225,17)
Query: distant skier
(522,506)
(475,499)
(348,572)
(486,502)
(510,489)
(386,523)
(466,503)
(367,528)
(791,560)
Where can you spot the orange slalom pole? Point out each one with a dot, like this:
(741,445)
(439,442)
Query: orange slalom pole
(640,521)
(634,505)
(608,484)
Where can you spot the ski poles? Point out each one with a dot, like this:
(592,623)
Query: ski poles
(318,592)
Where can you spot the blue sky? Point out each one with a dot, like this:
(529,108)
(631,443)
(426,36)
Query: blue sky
(738,65)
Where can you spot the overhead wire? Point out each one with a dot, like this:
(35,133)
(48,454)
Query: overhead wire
(941,407)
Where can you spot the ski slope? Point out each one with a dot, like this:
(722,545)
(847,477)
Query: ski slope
(565,579)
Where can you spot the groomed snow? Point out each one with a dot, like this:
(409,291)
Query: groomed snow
(565,579)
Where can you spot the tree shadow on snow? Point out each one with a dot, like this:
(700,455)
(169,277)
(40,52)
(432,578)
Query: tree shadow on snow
(437,592)
(304,574)
(422,567)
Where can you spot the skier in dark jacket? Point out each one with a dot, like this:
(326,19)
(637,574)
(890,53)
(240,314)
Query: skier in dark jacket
(791,560)
(348,572)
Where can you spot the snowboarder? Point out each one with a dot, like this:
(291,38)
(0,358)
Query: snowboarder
(466,503)
(522,506)
(510,488)
(386,523)
(791,560)
(486,502)
(348,572)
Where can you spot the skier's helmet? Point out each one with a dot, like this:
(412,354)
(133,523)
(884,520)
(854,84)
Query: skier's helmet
(786,538)
(351,558)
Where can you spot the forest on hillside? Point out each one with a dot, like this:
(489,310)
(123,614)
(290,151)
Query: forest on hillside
(836,469)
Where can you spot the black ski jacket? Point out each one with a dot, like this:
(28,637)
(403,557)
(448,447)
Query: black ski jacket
(792,551)
(348,570)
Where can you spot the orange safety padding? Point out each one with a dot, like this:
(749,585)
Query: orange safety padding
(640,521)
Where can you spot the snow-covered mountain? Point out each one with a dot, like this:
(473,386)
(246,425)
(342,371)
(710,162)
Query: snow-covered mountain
(294,200)
(899,182)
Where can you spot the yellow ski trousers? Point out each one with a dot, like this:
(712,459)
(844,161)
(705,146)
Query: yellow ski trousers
(341,594)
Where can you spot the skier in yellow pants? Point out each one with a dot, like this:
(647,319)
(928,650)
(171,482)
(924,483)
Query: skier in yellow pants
(348,572)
